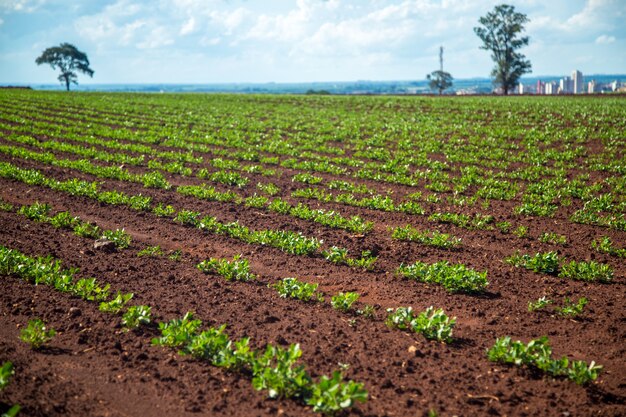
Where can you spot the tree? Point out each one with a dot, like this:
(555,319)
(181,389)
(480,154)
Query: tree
(500,32)
(440,80)
(69,60)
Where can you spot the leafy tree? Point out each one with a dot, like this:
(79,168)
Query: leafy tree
(439,80)
(68,59)
(500,33)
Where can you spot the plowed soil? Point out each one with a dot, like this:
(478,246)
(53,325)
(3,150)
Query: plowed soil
(94,367)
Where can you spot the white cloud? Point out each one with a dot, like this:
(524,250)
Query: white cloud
(157,37)
(27,6)
(188,27)
(605,39)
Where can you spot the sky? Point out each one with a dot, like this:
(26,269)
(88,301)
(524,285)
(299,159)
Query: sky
(258,41)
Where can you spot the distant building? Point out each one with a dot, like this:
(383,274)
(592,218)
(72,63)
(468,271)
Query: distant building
(520,88)
(577,82)
(565,85)
(551,88)
(540,88)
(591,87)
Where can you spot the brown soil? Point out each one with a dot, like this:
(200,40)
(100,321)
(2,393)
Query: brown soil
(93,367)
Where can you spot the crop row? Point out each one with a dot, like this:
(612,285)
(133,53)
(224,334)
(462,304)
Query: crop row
(275,370)
(285,240)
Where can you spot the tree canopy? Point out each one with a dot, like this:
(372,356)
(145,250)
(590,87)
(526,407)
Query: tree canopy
(69,60)
(439,80)
(500,33)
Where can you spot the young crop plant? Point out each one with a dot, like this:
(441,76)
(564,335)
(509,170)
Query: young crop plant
(521,231)
(539,304)
(163,211)
(605,245)
(85,229)
(307,178)
(178,332)
(293,288)
(229,178)
(119,237)
(367,311)
(571,309)
(64,220)
(188,218)
(175,255)
(340,256)
(343,301)
(136,316)
(432,324)
(411,207)
(505,227)
(269,188)
(155,179)
(38,212)
(536,209)
(238,269)
(5,206)
(553,238)
(151,251)
(285,240)
(332,395)
(256,201)
(37,334)
(478,221)
(454,278)
(6,372)
(538,354)
(205,192)
(547,263)
(276,370)
(116,304)
(587,271)
(88,289)
(436,238)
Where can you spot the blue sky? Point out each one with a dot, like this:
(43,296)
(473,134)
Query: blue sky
(215,41)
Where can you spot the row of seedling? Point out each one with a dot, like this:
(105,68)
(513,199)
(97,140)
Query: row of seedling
(274,369)
(551,263)
(285,240)
(537,354)
(238,269)
(65,220)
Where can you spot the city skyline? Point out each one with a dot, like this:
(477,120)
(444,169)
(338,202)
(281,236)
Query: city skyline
(192,41)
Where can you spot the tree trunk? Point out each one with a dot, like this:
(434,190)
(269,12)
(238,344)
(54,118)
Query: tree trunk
(67,83)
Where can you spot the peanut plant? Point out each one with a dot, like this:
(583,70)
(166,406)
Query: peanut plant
(537,354)
(454,278)
(37,334)
(238,269)
(293,288)
(432,324)
(343,301)
(136,316)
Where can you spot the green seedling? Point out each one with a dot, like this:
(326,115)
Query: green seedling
(135,316)
(343,301)
(116,304)
(539,304)
(37,334)
(151,251)
(238,269)
(293,288)
(571,309)
(332,395)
